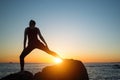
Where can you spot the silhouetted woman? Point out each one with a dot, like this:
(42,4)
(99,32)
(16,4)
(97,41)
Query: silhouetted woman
(32,33)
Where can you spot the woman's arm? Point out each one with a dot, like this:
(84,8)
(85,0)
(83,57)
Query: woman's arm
(41,37)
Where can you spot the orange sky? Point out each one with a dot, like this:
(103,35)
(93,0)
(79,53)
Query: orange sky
(38,56)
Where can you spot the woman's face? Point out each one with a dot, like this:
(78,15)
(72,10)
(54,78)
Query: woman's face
(32,24)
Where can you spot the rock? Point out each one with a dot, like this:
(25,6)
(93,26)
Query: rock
(68,70)
(116,66)
(25,75)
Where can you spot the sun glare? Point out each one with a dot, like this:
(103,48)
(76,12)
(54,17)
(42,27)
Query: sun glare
(58,60)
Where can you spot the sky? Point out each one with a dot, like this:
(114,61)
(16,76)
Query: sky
(86,30)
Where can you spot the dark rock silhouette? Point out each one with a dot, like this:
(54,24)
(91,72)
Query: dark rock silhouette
(25,75)
(67,70)
(116,66)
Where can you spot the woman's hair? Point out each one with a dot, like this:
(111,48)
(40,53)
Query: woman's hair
(32,22)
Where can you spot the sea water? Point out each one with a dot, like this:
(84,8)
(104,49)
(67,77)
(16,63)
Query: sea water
(96,71)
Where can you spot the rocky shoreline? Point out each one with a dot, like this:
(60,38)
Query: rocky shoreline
(69,69)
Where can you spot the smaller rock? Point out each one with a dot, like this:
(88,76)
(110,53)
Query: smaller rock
(24,75)
(116,66)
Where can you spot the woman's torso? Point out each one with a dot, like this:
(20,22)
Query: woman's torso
(32,35)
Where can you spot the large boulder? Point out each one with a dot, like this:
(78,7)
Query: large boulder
(24,75)
(67,70)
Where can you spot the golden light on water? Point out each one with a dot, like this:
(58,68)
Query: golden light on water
(58,60)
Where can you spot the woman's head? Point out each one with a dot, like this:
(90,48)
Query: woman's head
(32,23)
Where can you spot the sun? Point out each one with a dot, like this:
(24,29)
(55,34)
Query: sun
(58,60)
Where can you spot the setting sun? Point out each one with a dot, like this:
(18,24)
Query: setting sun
(58,60)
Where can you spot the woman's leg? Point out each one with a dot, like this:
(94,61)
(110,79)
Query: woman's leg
(24,53)
(46,49)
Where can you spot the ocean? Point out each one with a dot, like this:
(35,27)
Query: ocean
(96,71)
